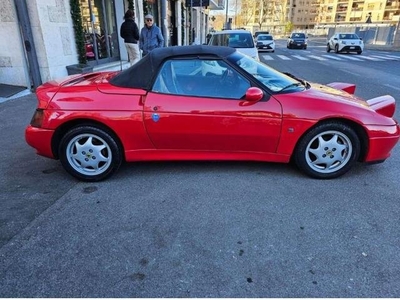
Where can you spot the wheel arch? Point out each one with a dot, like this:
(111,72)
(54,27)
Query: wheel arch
(65,127)
(358,128)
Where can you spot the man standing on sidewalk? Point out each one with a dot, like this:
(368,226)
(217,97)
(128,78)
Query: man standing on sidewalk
(130,33)
(150,36)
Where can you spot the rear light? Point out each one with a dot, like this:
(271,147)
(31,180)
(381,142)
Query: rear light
(37,118)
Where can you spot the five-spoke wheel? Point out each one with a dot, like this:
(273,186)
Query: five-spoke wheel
(89,153)
(327,151)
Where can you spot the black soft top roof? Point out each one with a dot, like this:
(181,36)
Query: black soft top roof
(141,74)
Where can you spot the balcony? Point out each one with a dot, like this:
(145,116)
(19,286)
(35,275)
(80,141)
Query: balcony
(217,5)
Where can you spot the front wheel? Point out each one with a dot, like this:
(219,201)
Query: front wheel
(337,48)
(90,153)
(359,52)
(327,151)
(328,48)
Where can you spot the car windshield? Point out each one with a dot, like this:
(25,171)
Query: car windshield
(298,35)
(348,37)
(265,38)
(269,77)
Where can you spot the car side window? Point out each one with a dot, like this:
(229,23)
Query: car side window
(202,78)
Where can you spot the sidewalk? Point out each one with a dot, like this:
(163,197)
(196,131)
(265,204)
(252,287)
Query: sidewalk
(8,92)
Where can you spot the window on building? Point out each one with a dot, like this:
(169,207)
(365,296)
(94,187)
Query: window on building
(100,29)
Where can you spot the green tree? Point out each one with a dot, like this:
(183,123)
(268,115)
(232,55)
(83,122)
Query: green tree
(78,29)
(289,27)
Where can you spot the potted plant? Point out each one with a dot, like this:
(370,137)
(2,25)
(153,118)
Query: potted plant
(82,67)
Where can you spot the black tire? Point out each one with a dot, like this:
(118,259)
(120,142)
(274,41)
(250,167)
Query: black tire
(305,47)
(98,157)
(337,48)
(359,52)
(328,48)
(327,151)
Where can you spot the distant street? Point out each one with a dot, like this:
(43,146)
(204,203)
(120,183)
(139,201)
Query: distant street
(205,229)
(375,72)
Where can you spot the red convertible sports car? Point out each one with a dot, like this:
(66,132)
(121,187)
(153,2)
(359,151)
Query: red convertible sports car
(207,103)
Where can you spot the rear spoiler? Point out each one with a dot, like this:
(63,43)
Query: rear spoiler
(384,105)
(347,87)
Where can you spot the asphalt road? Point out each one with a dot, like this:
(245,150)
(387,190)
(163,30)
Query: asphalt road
(202,229)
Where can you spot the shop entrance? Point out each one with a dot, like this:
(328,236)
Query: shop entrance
(100,29)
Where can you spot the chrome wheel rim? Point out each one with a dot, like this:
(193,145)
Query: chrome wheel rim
(89,154)
(329,152)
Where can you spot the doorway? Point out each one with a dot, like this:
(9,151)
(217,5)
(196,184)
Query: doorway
(100,30)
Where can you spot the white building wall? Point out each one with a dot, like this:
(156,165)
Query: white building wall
(12,55)
(53,35)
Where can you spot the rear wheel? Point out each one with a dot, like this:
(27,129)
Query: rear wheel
(327,151)
(90,153)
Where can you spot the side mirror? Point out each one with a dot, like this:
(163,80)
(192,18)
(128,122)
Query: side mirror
(335,39)
(360,38)
(253,95)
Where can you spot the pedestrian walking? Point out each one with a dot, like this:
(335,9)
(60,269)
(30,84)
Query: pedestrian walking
(150,36)
(130,33)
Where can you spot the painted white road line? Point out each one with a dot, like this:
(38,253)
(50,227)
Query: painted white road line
(300,57)
(317,57)
(381,57)
(393,87)
(392,56)
(347,71)
(267,57)
(332,57)
(351,58)
(371,58)
(283,57)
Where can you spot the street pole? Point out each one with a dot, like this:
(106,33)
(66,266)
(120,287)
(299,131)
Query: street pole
(226,15)
(201,22)
(396,41)
(191,23)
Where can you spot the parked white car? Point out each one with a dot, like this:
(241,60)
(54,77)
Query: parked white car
(240,39)
(345,42)
(265,42)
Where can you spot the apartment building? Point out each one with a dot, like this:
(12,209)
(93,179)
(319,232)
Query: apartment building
(275,15)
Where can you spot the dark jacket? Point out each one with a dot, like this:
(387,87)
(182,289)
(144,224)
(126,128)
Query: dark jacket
(129,31)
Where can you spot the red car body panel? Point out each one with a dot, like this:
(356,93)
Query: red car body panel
(212,124)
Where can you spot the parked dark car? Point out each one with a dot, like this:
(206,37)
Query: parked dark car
(297,40)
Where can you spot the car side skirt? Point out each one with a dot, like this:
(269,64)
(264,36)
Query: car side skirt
(175,155)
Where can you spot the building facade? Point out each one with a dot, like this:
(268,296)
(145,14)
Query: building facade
(40,38)
(276,15)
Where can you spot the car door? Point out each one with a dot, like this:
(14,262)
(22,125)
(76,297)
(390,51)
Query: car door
(196,105)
